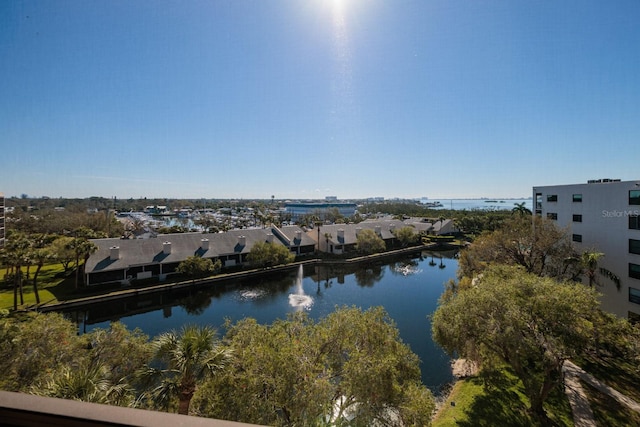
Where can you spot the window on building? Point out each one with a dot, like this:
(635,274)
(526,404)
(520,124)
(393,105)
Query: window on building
(634,197)
(634,246)
(634,295)
(577,218)
(552,215)
(577,198)
(634,271)
(634,222)
(577,238)
(552,197)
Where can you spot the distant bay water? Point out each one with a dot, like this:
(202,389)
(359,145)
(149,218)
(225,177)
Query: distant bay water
(479,204)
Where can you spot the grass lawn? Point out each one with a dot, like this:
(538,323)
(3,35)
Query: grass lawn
(471,403)
(609,412)
(53,285)
(620,373)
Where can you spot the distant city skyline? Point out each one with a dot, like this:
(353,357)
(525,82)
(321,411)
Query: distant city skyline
(301,100)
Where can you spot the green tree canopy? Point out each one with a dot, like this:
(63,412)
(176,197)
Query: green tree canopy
(266,254)
(534,243)
(531,323)
(43,354)
(198,267)
(368,242)
(351,365)
(34,346)
(406,235)
(61,249)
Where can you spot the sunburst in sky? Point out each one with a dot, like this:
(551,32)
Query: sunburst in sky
(343,112)
(359,98)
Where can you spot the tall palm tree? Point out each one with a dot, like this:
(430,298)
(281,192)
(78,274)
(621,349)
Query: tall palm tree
(82,248)
(16,256)
(187,358)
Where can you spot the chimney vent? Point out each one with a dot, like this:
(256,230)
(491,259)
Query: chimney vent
(204,244)
(166,248)
(242,240)
(114,253)
(270,238)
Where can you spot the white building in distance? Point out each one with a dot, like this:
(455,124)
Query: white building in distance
(602,215)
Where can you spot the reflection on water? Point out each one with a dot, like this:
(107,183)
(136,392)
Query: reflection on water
(408,288)
(369,275)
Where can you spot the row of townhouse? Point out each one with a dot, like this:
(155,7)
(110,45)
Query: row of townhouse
(121,260)
(342,238)
(603,216)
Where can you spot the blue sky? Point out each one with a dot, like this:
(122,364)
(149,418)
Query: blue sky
(304,99)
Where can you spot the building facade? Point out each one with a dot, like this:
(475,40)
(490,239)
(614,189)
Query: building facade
(603,216)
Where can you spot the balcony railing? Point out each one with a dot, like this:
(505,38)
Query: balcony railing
(19,409)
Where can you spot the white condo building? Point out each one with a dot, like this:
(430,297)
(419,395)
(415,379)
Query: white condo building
(602,215)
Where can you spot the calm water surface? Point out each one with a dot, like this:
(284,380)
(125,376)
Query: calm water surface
(408,289)
(481,204)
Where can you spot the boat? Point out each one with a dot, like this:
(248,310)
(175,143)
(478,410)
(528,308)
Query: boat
(433,204)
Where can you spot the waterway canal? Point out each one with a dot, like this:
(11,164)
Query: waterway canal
(408,288)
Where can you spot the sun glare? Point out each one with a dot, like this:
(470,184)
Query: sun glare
(338,4)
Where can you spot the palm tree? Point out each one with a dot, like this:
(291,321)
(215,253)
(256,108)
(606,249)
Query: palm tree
(521,209)
(16,256)
(82,248)
(91,383)
(589,264)
(188,358)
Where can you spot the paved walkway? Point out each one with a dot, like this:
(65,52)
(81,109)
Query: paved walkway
(582,413)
